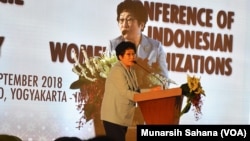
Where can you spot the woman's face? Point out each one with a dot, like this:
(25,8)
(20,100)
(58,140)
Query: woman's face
(129,26)
(128,58)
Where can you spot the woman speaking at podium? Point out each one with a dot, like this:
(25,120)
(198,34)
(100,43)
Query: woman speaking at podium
(118,107)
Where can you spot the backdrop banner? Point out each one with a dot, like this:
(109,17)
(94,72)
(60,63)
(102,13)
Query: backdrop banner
(208,39)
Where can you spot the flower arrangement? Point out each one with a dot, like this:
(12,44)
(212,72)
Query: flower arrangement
(194,92)
(92,75)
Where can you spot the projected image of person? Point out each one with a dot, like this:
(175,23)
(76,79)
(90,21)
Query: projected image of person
(132,17)
(118,106)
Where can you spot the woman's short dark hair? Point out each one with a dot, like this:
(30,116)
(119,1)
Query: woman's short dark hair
(122,47)
(135,7)
(66,138)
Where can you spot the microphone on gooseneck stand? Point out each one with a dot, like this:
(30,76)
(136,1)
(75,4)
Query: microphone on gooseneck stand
(163,82)
(124,32)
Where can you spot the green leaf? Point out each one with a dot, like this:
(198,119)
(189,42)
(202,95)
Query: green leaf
(186,109)
(185,89)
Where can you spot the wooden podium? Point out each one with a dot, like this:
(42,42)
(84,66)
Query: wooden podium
(160,107)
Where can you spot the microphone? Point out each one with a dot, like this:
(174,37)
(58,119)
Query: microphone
(124,32)
(163,82)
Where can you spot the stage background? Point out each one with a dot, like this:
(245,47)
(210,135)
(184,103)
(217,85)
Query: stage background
(29,29)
